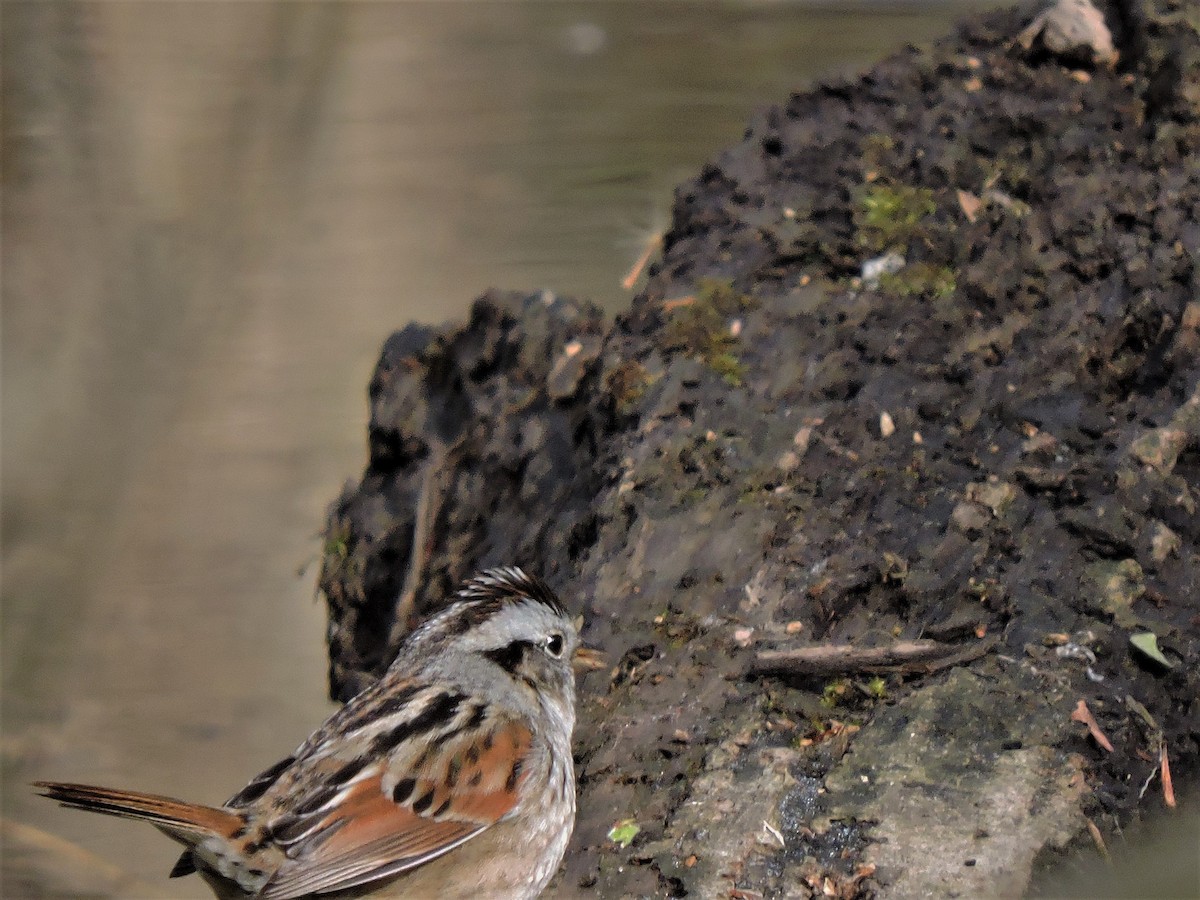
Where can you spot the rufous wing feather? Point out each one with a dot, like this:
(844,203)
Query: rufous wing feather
(367,832)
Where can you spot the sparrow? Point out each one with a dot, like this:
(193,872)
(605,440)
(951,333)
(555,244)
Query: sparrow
(451,776)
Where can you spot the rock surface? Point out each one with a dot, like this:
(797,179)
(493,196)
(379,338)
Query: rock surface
(713,475)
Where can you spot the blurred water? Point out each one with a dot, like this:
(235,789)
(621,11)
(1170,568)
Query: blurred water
(213,216)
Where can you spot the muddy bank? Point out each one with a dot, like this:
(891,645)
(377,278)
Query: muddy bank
(994,445)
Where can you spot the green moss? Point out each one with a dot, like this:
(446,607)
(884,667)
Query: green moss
(833,693)
(728,367)
(720,294)
(337,543)
(920,279)
(698,328)
(702,327)
(889,216)
(336,553)
(877,687)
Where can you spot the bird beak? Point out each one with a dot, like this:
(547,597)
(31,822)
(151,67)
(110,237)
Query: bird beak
(587,659)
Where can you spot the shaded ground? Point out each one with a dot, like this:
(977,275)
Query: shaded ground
(998,442)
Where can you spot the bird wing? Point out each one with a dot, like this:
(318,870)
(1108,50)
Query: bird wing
(403,809)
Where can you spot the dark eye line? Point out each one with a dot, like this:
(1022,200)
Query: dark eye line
(512,655)
(509,657)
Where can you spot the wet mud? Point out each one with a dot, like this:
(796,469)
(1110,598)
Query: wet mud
(995,439)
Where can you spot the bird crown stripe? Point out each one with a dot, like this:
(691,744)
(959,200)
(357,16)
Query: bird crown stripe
(510,583)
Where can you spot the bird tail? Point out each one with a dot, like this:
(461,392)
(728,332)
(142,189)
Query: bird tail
(189,823)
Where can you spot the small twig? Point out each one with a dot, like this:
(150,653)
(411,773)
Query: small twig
(676,302)
(1084,715)
(834,659)
(635,271)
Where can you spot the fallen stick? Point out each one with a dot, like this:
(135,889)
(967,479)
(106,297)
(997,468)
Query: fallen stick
(922,656)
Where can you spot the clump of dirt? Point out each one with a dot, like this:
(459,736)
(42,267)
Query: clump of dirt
(996,436)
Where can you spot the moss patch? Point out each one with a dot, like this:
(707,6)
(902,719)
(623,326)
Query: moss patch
(889,216)
(704,328)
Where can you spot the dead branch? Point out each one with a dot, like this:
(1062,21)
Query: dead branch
(922,656)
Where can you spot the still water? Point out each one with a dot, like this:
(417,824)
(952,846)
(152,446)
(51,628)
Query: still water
(214,214)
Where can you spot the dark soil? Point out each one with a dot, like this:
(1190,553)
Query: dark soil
(1000,441)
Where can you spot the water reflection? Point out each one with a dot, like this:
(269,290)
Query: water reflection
(214,214)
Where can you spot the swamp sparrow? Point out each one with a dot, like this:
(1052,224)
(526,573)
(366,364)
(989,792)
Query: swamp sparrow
(449,777)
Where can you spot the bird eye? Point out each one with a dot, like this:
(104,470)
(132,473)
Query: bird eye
(554,645)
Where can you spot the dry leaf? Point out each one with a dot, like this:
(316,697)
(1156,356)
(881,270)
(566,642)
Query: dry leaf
(1165,767)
